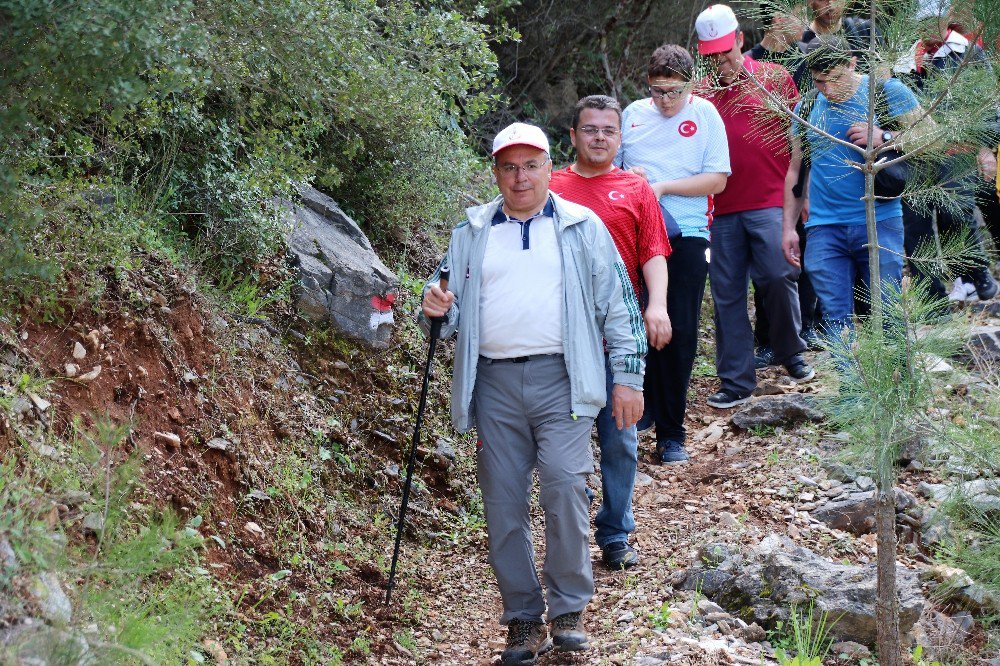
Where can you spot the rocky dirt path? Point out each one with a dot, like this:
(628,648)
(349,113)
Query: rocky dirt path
(728,493)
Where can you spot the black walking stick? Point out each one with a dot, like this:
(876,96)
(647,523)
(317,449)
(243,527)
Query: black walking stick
(436,323)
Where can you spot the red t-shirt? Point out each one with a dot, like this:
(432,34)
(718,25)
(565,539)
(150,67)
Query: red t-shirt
(629,209)
(758,137)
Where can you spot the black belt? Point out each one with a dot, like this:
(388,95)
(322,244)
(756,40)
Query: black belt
(517,359)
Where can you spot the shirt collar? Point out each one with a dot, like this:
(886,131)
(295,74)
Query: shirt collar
(500,217)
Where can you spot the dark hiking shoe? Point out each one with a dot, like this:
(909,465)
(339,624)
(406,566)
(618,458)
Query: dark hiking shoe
(568,633)
(799,370)
(525,641)
(812,339)
(725,399)
(763,357)
(670,451)
(619,555)
(986,286)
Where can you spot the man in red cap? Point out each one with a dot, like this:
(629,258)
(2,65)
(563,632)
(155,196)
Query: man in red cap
(746,231)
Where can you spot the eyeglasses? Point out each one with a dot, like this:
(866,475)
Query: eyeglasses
(592,130)
(529,168)
(669,93)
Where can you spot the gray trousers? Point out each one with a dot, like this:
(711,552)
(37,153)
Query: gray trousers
(523,422)
(748,245)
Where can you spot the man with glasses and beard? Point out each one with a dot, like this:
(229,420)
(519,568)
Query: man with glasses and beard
(536,284)
(746,231)
(678,142)
(626,204)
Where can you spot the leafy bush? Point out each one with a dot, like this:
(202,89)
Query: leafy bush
(196,116)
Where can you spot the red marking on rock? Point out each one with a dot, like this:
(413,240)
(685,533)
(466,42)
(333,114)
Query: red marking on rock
(384,304)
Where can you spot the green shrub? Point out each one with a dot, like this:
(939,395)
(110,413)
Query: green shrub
(198,116)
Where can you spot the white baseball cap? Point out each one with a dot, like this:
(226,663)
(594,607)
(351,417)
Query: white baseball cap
(716,27)
(520,134)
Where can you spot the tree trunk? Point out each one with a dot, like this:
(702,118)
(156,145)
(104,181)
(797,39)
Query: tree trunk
(887,604)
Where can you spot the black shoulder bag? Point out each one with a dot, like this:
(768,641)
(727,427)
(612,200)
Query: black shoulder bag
(890,182)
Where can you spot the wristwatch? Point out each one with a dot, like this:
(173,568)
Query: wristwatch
(887,136)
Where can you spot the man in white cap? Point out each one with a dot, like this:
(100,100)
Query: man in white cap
(536,285)
(746,231)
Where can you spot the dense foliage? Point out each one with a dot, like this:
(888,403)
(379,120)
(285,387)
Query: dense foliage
(143,119)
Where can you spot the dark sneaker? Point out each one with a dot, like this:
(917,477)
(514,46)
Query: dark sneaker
(525,641)
(800,371)
(812,339)
(725,399)
(670,451)
(986,286)
(568,633)
(619,555)
(763,357)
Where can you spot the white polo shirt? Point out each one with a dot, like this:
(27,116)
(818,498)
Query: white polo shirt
(521,297)
(689,143)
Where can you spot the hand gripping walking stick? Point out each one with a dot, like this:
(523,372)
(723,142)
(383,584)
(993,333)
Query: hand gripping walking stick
(436,323)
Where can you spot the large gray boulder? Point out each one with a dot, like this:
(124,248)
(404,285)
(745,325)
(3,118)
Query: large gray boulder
(781,575)
(341,279)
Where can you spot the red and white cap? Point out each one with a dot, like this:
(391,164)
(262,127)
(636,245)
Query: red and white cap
(716,27)
(520,134)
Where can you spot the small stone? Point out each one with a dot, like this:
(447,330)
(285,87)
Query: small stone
(850,649)
(864,483)
(143,372)
(79,351)
(642,480)
(45,450)
(175,415)
(807,497)
(626,617)
(168,439)
(7,556)
(93,523)
(258,494)
(215,650)
(706,607)
(753,633)
(92,375)
(52,601)
(190,377)
(727,519)
(41,404)
(253,528)
(218,444)
(72,369)
(717,617)
(24,335)
(20,405)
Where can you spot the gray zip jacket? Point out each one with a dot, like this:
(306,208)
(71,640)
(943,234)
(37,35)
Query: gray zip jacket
(598,300)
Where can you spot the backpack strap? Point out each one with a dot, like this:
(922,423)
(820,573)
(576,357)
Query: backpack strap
(808,101)
(882,112)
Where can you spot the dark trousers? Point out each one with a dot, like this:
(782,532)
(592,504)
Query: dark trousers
(745,245)
(668,370)
(918,230)
(808,302)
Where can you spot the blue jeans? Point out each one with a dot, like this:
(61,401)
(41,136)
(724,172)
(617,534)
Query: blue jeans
(836,256)
(619,460)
